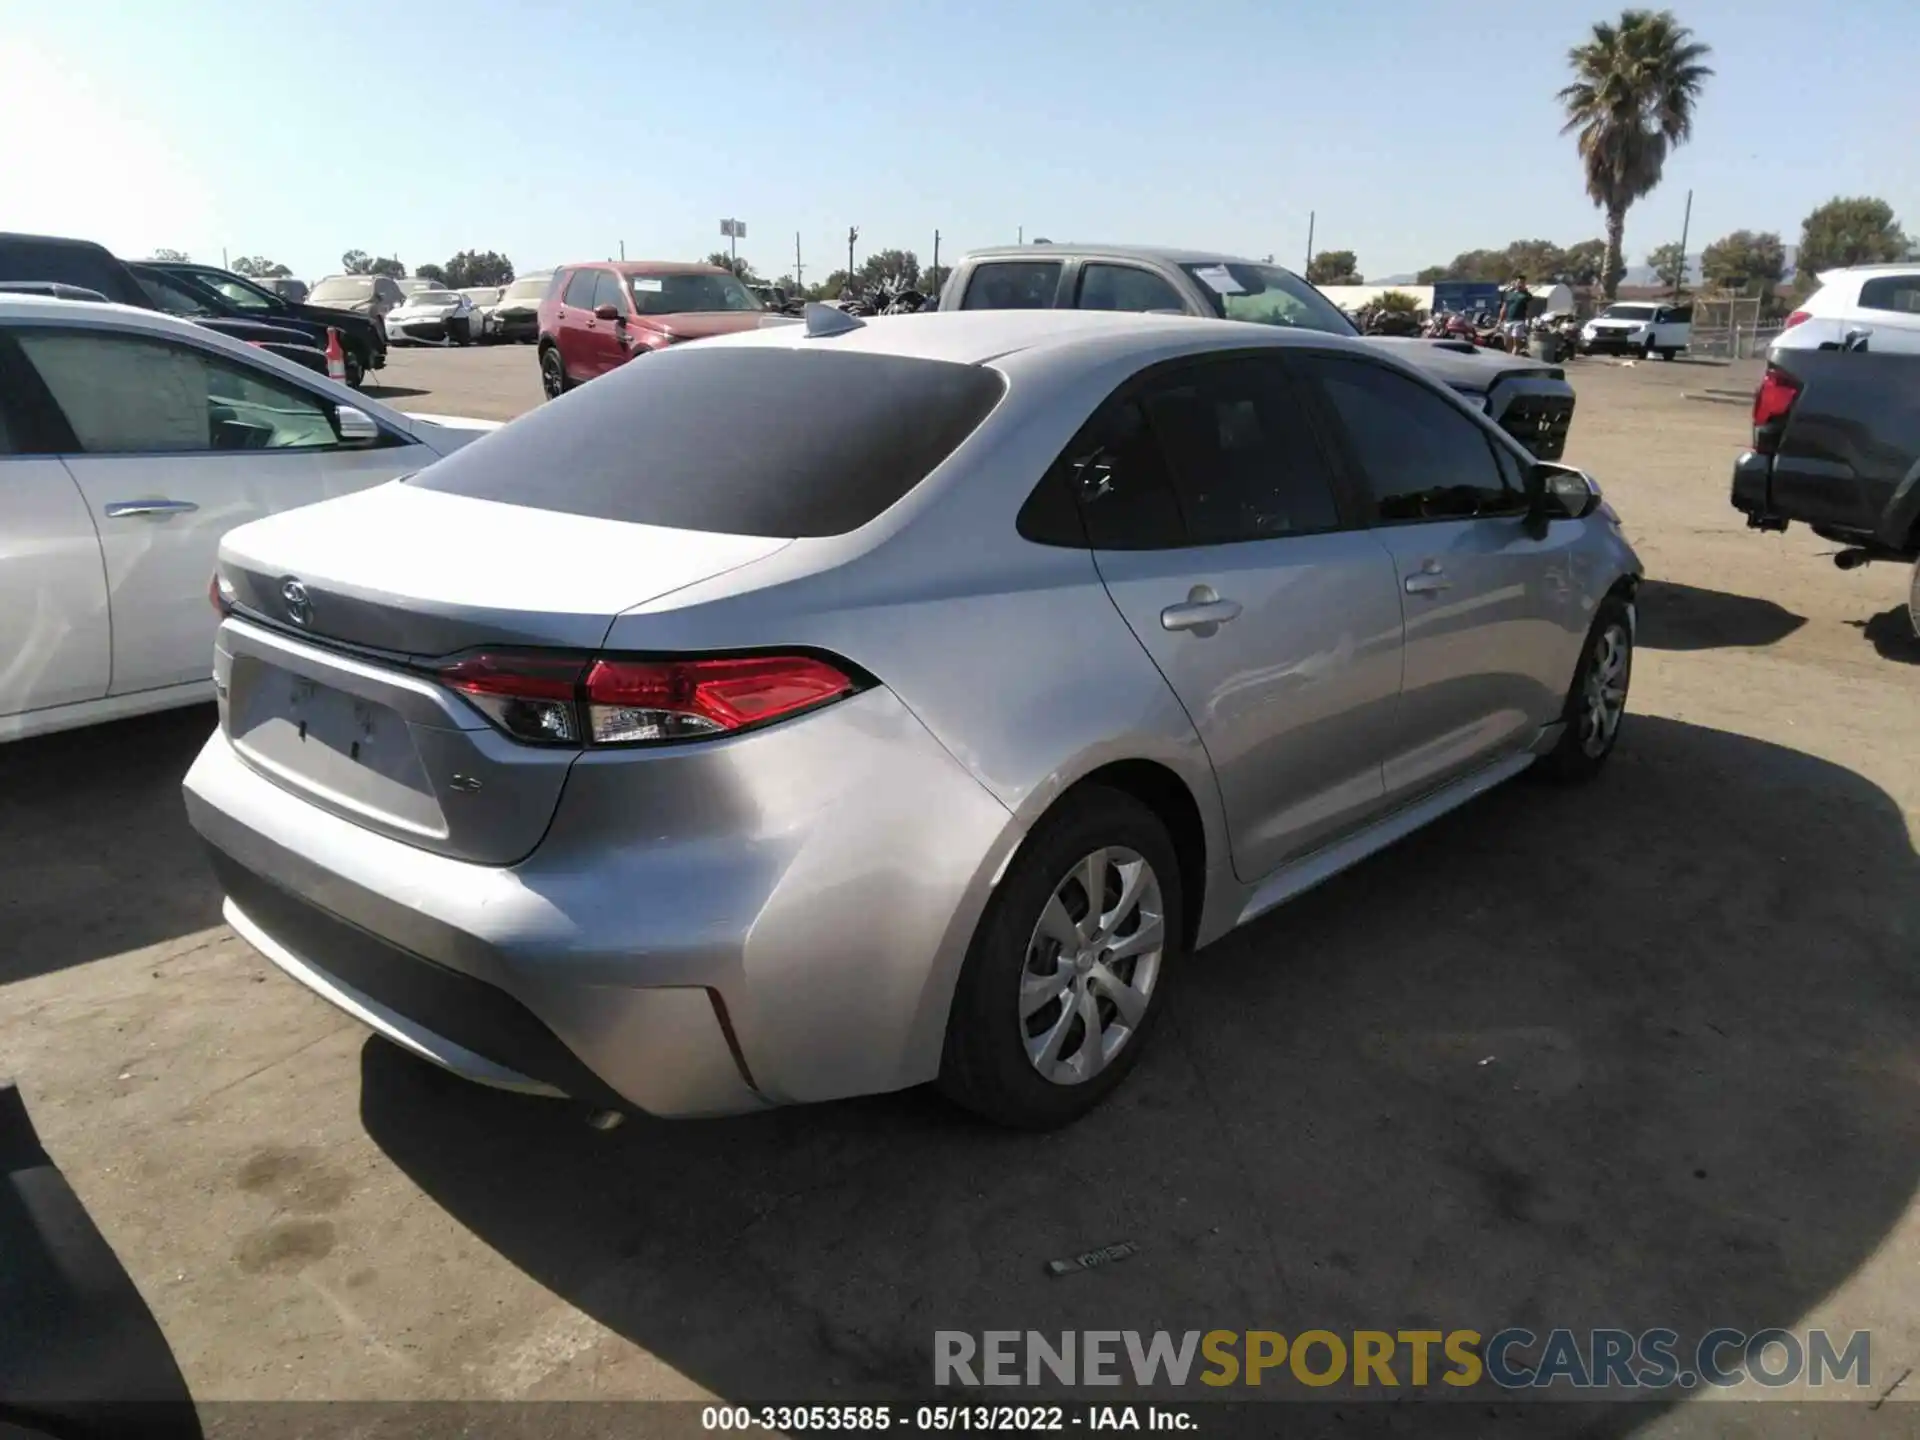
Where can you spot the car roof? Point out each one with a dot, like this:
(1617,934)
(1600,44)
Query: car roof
(1063,249)
(974,337)
(646,267)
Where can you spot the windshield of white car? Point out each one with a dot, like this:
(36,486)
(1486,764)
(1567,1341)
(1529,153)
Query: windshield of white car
(532,288)
(1267,295)
(347,287)
(1627,312)
(678,294)
(483,294)
(433,297)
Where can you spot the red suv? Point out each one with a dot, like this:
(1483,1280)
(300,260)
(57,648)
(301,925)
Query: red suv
(599,316)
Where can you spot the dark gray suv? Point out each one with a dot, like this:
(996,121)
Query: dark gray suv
(1528,399)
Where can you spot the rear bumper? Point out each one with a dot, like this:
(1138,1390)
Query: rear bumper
(797,939)
(1750,475)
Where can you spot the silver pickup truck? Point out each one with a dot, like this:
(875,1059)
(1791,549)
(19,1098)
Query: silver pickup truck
(1528,399)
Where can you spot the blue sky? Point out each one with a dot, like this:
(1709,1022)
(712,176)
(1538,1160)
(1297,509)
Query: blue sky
(553,132)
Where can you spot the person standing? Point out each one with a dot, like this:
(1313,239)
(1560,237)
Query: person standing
(1513,313)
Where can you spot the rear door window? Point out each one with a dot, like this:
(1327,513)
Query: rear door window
(744,441)
(1012,285)
(1125,287)
(80,265)
(1898,293)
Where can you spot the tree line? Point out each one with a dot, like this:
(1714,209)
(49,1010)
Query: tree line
(1845,231)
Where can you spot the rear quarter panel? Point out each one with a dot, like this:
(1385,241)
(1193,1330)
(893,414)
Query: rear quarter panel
(1851,448)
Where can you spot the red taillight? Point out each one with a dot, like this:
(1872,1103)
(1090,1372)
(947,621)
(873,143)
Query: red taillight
(531,697)
(336,357)
(1771,404)
(631,701)
(563,700)
(1798,317)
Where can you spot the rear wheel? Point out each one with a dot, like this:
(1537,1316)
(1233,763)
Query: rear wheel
(1597,702)
(553,373)
(356,370)
(1668,352)
(1064,976)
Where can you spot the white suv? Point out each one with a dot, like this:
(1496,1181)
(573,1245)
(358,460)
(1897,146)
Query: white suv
(1645,328)
(1879,302)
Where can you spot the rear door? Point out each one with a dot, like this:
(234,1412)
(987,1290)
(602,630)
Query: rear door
(1493,621)
(1111,285)
(1890,309)
(171,445)
(1215,524)
(54,631)
(1014,285)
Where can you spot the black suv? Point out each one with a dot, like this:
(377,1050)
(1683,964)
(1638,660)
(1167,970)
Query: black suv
(362,338)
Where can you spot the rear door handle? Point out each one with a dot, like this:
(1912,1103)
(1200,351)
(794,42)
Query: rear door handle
(1203,612)
(1429,579)
(117,509)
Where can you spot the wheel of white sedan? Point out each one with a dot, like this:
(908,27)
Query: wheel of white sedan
(1064,978)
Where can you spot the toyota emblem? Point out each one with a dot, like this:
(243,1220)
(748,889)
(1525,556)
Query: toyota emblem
(299,609)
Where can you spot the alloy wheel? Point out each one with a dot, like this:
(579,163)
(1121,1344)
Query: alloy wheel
(1091,965)
(1603,698)
(553,377)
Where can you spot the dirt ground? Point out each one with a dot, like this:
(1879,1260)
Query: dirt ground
(1635,1055)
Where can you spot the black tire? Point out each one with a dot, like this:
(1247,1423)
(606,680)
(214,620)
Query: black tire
(1668,353)
(356,369)
(1586,743)
(553,373)
(985,1066)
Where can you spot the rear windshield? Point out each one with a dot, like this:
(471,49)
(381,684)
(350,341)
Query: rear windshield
(533,288)
(737,441)
(345,287)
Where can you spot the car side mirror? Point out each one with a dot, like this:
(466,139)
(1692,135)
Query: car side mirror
(354,426)
(1856,341)
(1560,492)
(606,312)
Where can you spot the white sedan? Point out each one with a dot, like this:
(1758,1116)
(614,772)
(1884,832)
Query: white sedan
(130,442)
(434,317)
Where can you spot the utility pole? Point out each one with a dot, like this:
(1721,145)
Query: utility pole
(1310,218)
(936,254)
(223,259)
(799,276)
(853,234)
(1020,235)
(1680,274)
(623,250)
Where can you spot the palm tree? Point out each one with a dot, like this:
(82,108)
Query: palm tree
(1632,99)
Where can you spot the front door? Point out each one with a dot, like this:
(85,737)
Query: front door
(1217,530)
(576,331)
(171,446)
(1493,621)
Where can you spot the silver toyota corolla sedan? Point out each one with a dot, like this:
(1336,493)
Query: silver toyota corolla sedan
(829,709)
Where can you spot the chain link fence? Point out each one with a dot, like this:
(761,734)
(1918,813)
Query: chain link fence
(1730,327)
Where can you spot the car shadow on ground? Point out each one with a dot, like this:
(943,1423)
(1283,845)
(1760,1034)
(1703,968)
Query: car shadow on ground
(1891,632)
(1685,617)
(1637,1054)
(96,855)
(391,392)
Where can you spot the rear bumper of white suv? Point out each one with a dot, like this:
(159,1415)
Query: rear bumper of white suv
(797,942)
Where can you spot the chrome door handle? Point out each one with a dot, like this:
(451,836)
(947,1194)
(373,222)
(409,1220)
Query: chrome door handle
(117,509)
(1203,612)
(1429,579)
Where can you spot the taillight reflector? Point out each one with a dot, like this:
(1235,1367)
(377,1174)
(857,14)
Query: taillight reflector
(565,700)
(1798,317)
(634,701)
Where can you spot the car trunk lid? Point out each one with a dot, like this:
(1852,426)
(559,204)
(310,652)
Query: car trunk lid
(341,619)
